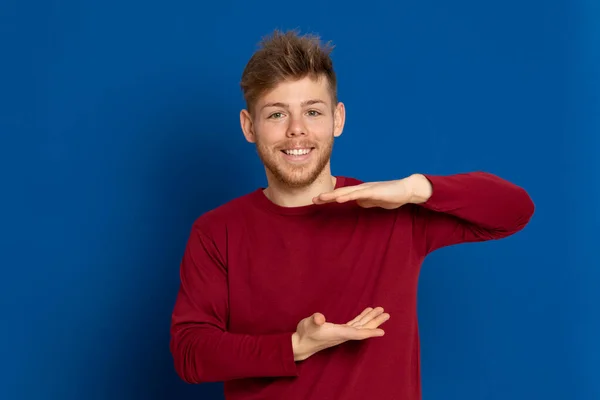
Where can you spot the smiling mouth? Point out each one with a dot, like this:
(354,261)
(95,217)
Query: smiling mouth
(298,152)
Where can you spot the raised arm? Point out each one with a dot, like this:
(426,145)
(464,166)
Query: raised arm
(449,209)
(202,348)
(468,207)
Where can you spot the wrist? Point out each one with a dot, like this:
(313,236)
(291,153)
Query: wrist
(299,352)
(420,188)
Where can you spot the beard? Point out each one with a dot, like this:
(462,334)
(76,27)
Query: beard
(296,176)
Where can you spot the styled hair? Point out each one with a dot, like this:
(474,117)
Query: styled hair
(287,56)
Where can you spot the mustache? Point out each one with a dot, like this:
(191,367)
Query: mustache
(297,144)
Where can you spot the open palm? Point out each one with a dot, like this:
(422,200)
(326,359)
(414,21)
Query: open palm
(386,194)
(314,333)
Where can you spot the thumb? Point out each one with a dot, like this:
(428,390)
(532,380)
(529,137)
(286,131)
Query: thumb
(318,319)
(366,203)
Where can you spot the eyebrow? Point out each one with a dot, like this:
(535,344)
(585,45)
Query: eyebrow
(303,104)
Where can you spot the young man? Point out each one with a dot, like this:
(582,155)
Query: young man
(286,292)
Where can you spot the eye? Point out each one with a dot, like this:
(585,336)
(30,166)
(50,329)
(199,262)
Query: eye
(314,113)
(276,115)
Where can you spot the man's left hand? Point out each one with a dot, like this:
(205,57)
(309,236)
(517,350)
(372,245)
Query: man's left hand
(387,194)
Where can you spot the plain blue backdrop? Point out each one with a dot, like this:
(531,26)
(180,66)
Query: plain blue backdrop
(119,126)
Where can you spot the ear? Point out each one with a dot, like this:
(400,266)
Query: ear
(247,126)
(339,119)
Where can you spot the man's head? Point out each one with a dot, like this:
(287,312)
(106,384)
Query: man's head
(292,110)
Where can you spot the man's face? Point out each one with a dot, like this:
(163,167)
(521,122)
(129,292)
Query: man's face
(293,127)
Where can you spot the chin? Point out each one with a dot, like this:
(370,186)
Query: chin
(296,179)
(294,175)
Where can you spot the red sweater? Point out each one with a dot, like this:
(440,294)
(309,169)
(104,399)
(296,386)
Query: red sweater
(252,270)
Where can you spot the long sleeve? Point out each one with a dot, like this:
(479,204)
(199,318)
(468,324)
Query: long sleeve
(202,349)
(471,207)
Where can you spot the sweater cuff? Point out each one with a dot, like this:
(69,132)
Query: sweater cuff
(440,194)
(286,351)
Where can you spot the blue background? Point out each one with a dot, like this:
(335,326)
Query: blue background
(119,126)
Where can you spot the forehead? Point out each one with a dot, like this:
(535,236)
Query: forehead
(294,92)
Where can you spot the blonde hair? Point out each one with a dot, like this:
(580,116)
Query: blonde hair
(287,56)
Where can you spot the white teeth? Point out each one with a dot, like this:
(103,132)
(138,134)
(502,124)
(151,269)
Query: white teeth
(297,152)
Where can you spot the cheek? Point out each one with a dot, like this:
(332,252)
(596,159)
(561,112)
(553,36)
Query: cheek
(321,127)
(270,133)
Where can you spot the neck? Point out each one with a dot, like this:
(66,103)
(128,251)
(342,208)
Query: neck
(286,196)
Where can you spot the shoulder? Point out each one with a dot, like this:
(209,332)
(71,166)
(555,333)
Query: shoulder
(216,220)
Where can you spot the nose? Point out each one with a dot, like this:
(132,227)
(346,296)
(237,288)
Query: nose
(296,127)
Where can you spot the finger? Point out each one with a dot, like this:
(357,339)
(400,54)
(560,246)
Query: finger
(352,333)
(344,190)
(369,316)
(375,322)
(342,197)
(330,196)
(362,314)
(318,319)
(362,194)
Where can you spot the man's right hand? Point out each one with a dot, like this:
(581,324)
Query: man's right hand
(314,334)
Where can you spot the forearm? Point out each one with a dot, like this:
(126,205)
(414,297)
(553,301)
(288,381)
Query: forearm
(202,347)
(479,206)
(206,354)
